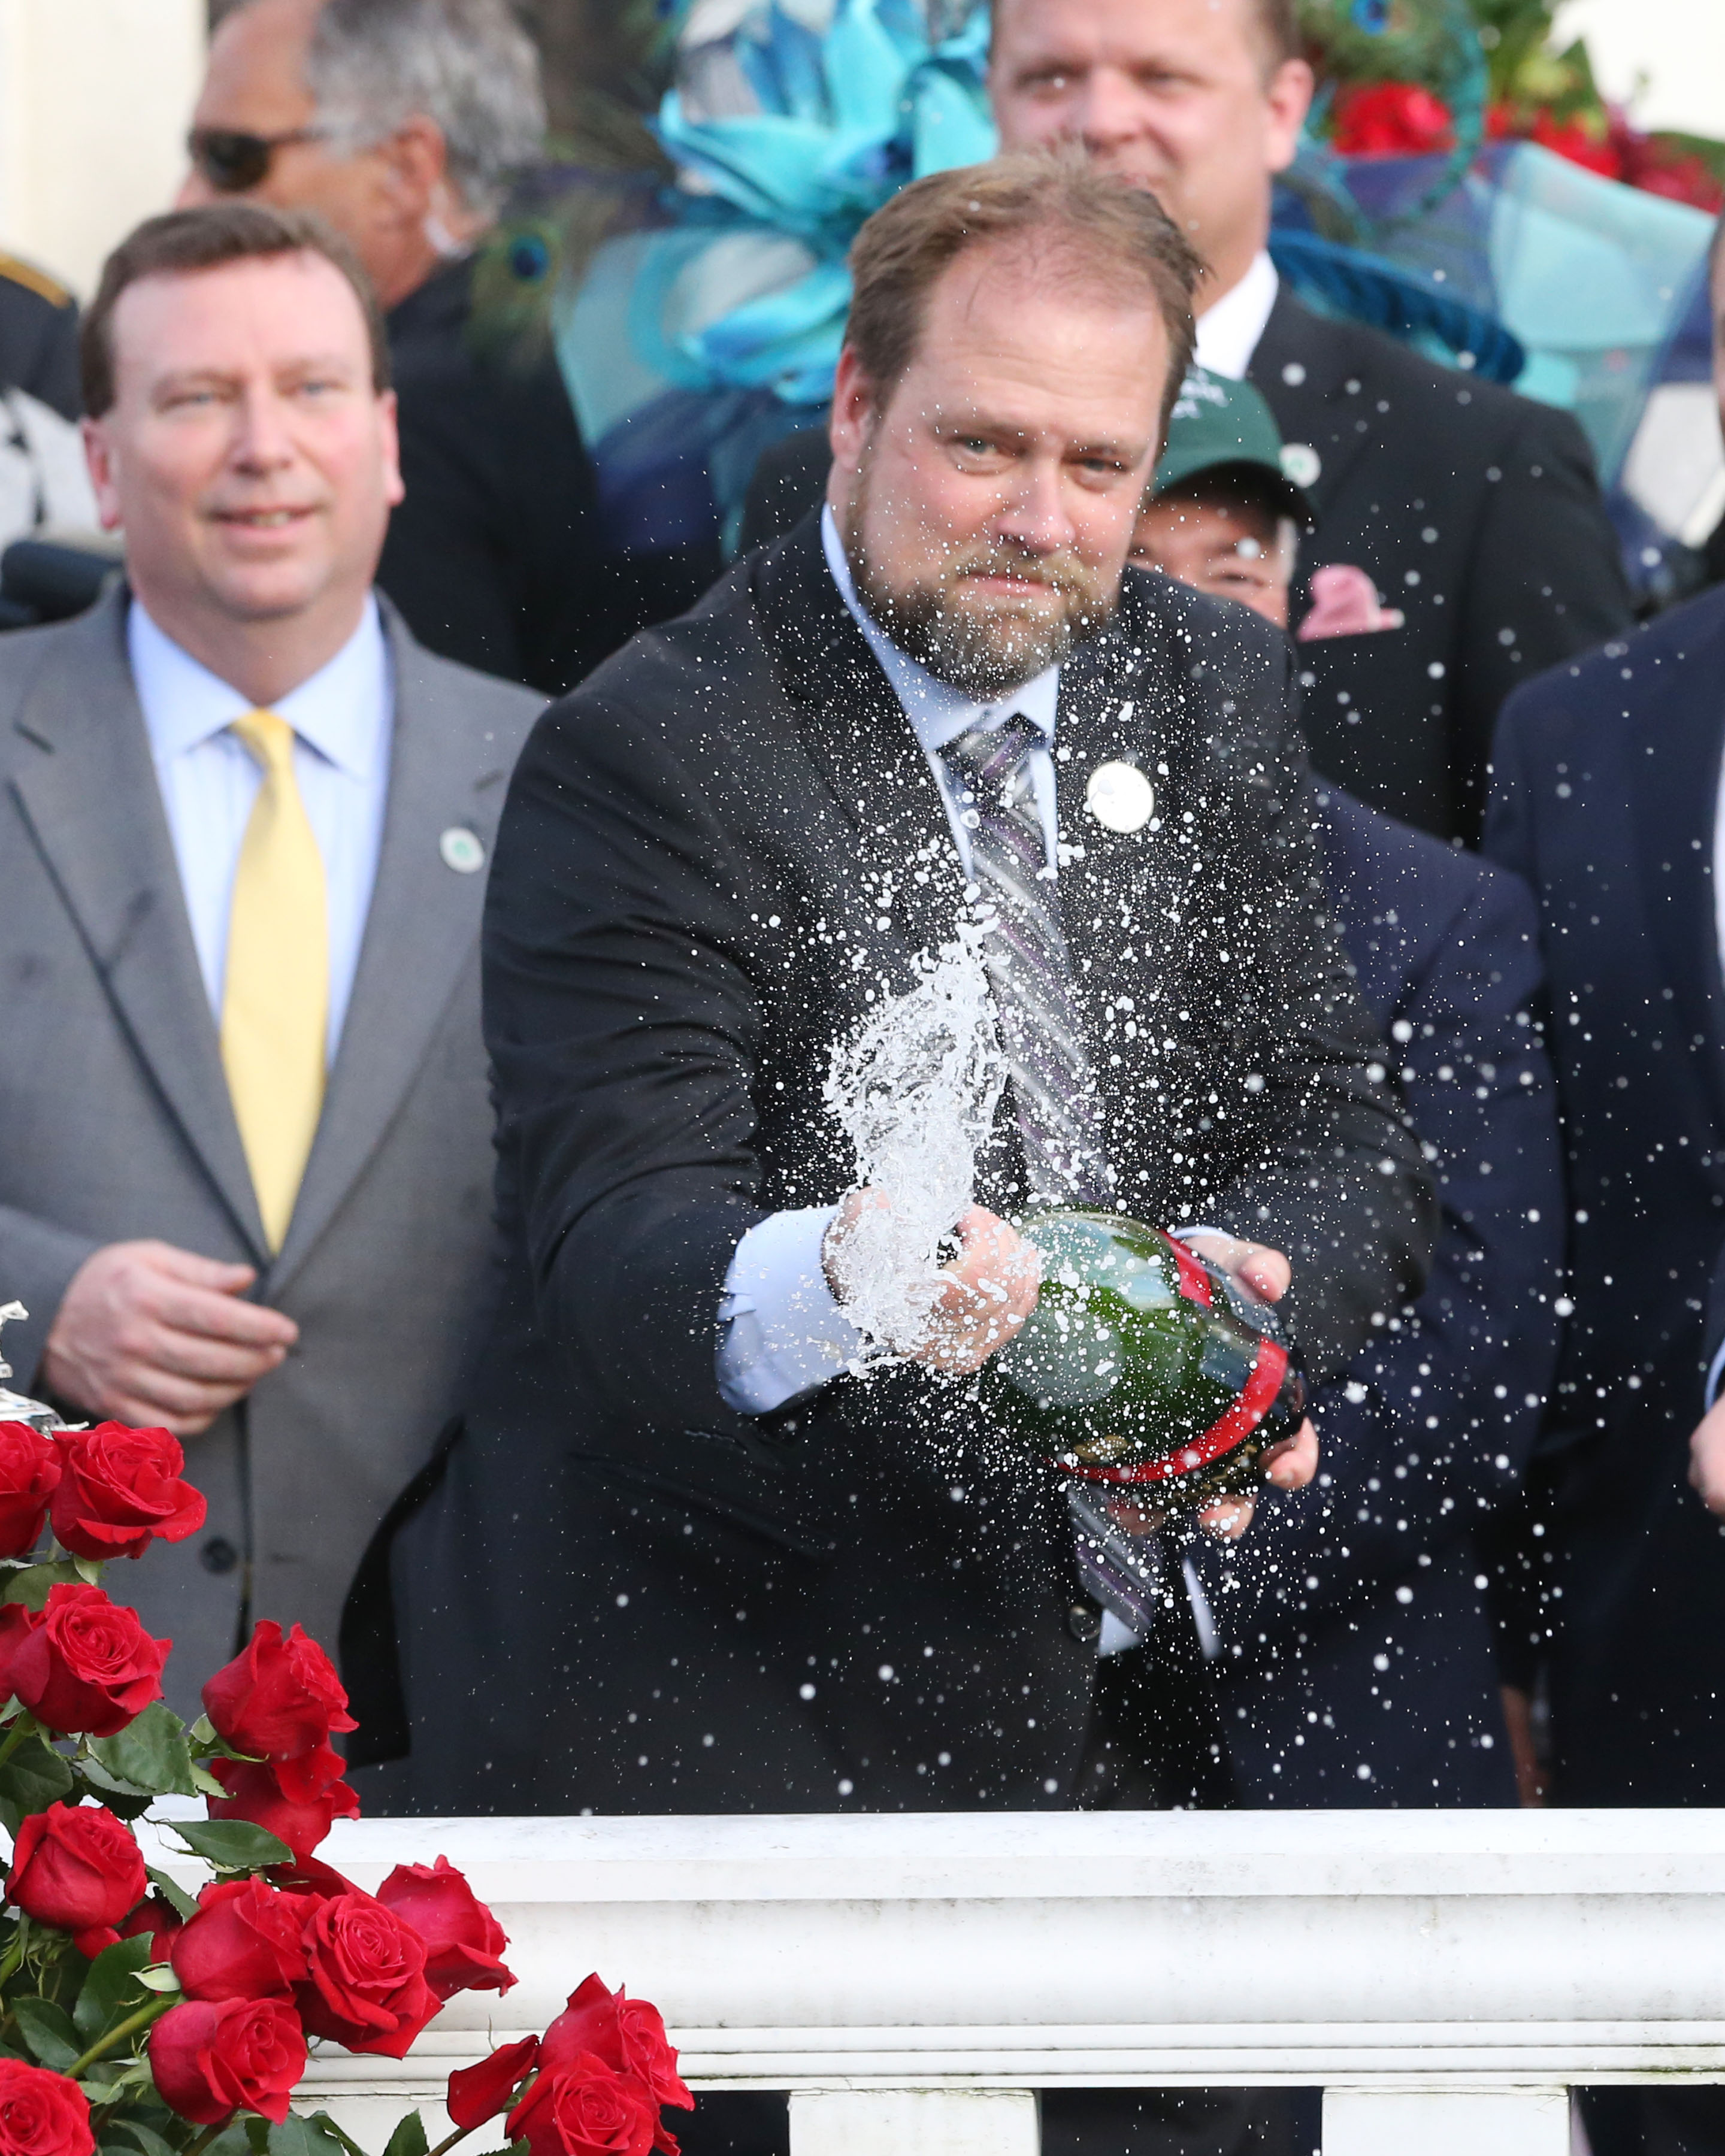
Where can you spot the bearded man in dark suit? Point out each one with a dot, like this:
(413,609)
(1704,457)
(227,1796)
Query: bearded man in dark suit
(749,1579)
(1475,512)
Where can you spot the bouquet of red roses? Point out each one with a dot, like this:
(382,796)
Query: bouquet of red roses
(133,2016)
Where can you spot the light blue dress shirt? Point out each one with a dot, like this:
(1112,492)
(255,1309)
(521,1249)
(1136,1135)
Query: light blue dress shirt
(342,719)
(783,1333)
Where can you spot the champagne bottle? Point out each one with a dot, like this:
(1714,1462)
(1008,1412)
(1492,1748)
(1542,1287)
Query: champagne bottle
(1141,1366)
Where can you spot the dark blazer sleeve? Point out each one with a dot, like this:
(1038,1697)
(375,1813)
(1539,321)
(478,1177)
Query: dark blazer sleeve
(1333,1177)
(1434,1422)
(622,1030)
(1545,580)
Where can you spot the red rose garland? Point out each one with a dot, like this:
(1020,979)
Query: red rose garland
(212,2002)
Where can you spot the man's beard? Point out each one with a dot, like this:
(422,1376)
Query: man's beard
(985,650)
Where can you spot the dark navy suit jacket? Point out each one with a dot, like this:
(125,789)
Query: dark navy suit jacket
(1605,797)
(1355,1663)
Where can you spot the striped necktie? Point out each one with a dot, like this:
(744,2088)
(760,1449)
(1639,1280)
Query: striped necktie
(1030,970)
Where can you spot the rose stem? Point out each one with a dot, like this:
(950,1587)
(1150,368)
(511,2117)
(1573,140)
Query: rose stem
(130,2027)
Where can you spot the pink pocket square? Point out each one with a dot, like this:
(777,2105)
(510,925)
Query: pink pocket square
(1345,602)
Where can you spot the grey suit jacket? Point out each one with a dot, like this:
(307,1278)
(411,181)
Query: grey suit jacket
(115,1123)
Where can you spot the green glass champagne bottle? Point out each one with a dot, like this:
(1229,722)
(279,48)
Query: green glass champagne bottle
(1141,1366)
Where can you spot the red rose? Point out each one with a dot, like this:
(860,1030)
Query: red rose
(280,1699)
(1391,120)
(77,1867)
(157,1920)
(83,1665)
(367,1987)
(586,2109)
(463,1939)
(628,2034)
(244,1942)
(41,2114)
(255,1793)
(120,1489)
(477,2093)
(212,2058)
(29,1473)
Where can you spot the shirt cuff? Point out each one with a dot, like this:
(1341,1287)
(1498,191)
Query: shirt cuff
(783,1333)
(1716,1371)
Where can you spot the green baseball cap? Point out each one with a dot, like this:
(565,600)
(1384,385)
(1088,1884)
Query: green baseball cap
(1217,423)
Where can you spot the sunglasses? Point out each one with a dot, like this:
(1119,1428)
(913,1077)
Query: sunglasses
(231,162)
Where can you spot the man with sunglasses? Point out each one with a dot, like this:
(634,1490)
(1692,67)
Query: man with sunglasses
(402,122)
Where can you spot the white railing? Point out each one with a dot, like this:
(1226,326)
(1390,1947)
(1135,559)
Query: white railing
(1443,1977)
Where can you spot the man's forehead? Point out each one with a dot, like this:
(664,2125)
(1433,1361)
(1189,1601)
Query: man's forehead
(1138,25)
(277,308)
(257,66)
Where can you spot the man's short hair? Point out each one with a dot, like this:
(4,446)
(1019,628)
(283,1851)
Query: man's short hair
(1107,234)
(182,242)
(468,64)
(1279,26)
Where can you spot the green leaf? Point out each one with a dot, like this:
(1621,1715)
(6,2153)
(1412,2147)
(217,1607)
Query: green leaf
(111,1991)
(178,1900)
(151,1752)
(31,1585)
(89,1569)
(145,2140)
(121,1798)
(47,2030)
(347,2140)
(234,1845)
(257,2132)
(231,2141)
(315,2136)
(158,1977)
(205,1782)
(34,1776)
(202,1731)
(408,2138)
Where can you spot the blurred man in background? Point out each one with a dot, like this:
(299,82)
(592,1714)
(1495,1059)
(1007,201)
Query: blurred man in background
(1475,513)
(245,1189)
(402,122)
(1606,796)
(1351,1647)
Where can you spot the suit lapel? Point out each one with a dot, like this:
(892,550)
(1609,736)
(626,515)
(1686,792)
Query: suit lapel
(1301,367)
(420,932)
(856,733)
(87,788)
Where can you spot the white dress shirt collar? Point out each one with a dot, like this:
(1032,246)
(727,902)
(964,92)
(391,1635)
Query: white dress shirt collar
(342,712)
(1228,331)
(938,713)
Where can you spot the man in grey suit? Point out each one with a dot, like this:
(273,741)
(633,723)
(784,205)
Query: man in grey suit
(245,1157)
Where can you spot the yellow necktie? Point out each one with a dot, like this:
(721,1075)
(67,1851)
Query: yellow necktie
(276,996)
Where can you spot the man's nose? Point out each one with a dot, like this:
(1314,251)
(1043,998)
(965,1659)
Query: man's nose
(195,192)
(1108,110)
(1034,516)
(266,440)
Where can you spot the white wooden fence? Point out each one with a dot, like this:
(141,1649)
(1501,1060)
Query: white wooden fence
(1444,1977)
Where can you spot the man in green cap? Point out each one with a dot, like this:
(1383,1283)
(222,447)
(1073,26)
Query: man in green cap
(1228,512)
(1352,1645)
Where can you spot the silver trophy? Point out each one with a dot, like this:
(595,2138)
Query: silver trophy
(13,1406)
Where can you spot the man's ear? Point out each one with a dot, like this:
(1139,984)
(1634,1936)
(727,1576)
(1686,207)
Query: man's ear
(853,415)
(1289,100)
(418,161)
(98,456)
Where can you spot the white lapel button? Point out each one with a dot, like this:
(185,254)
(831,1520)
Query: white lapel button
(462,850)
(1301,464)
(1120,797)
